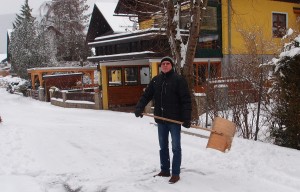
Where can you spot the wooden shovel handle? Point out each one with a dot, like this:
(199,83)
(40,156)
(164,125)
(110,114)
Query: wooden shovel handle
(179,122)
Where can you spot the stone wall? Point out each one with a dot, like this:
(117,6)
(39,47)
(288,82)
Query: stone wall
(64,102)
(72,104)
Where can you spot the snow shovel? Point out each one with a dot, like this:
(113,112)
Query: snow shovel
(221,134)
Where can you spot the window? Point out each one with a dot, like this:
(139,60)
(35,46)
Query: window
(184,20)
(208,41)
(210,19)
(202,72)
(114,76)
(145,75)
(100,51)
(134,47)
(210,37)
(146,45)
(158,21)
(123,48)
(109,50)
(279,24)
(214,71)
(131,76)
(128,76)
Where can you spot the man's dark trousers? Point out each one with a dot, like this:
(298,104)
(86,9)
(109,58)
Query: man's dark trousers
(163,134)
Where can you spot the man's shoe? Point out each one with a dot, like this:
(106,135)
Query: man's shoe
(163,174)
(174,179)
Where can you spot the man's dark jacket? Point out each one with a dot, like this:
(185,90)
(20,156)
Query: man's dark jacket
(171,97)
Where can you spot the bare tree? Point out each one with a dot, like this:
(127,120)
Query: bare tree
(181,21)
(248,85)
(184,46)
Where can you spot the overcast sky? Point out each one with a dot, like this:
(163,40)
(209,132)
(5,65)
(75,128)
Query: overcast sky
(9,8)
(14,6)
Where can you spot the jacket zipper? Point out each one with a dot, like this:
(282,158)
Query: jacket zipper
(161,98)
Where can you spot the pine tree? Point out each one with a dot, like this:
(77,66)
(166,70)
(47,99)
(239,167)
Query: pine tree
(25,15)
(23,45)
(68,17)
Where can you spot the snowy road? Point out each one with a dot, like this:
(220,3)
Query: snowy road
(44,148)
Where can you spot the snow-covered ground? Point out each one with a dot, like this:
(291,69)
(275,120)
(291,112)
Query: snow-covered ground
(44,148)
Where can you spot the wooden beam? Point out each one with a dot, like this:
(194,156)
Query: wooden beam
(40,75)
(32,81)
(104,87)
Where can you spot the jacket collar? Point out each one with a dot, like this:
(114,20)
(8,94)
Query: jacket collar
(168,74)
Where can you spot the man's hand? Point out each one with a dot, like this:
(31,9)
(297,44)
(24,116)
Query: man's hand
(138,112)
(186,124)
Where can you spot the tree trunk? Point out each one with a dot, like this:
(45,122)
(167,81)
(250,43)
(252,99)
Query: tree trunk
(184,51)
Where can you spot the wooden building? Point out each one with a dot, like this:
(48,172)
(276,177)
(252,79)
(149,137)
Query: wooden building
(60,77)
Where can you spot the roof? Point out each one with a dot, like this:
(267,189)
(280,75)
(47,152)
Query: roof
(127,37)
(117,23)
(131,33)
(60,69)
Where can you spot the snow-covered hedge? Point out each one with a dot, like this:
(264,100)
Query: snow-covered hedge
(290,50)
(5,81)
(285,94)
(14,84)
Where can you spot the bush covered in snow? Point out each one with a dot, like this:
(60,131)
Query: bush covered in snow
(286,91)
(15,84)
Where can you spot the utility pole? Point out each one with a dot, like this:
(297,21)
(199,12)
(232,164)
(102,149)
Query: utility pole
(207,82)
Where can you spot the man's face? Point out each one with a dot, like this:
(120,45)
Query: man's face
(166,66)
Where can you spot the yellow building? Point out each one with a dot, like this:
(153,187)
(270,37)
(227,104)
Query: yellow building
(269,19)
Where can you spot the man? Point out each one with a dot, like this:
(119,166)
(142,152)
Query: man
(171,100)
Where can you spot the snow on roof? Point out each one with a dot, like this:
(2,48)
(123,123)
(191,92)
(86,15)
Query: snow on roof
(124,38)
(61,68)
(128,33)
(117,23)
(121,54)
(62,75)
